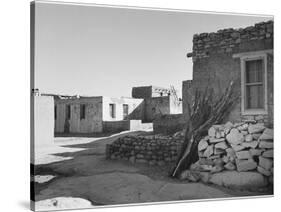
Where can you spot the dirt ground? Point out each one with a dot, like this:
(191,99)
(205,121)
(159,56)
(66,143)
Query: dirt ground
(81,171)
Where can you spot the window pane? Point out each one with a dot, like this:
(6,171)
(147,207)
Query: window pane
(254,97)
(254,71)
(82,111)
(125,110)
(112,110)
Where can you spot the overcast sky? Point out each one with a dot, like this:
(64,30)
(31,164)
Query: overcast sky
(103,51)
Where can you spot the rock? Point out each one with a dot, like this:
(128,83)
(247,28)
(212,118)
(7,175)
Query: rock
(205,176)
(214,157)
(237,148)
(212,132)
(206,161)
(263,171)
(241,180)
(256,128)
(217,168)
(160,163)
(243,127)
(256,152)
(216,140)
(243,155)
(230,166)
(195,166)
(218,151)
(206,167)
(267,134)
(230,152)
(266,144)
(209,151)
(246,165)
(268,153)
(252,144)
(221,145)
(265,163)
(228,125)
(225,159)
(203,144)
(249,138)
(152,162)
(235,137)
(256,136)
(218,162)
(192,176)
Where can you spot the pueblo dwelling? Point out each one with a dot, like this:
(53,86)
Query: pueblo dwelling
(74,114)
(241,55)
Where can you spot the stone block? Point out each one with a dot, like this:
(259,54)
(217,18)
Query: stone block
(243,155)
(267,134)
(249,138)
(209,151)
(268,153)
(221,145)
(266,144)
(203,144)
(216,140)
(212,132)
(256,152)
(264,171)
(230,166)
(256,136)
(265,163)
(241,180)
(237,148)
(252,144)
(256,128)
(235,137)
(246,165)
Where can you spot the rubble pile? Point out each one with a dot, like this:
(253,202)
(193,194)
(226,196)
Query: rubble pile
(240,147)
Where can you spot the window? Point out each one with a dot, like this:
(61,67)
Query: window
(55,112)
(68,112)
(254,84)
(82,111)
(112,111)
(125,111)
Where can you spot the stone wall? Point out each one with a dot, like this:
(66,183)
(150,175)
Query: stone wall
(152,150)
(168,124)
(124,125)
(236,149)
(214,63)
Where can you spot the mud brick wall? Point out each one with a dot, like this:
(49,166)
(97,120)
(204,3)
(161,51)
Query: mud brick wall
(238,147)
(214,64)
(168,124)
(152,150)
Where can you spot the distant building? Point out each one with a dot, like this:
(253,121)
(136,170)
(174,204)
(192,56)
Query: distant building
(241,55)
(78,114)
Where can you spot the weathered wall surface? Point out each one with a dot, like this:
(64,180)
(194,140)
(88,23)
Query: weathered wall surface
(136,110)
(186,94)
(156,106)
(168,124)
(43,120)
(92,122)
(214,65)
(142,92)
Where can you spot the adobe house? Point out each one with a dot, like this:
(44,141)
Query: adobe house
(243,55)
(74,114)
(157,101)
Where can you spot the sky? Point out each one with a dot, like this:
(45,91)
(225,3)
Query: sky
(105,51)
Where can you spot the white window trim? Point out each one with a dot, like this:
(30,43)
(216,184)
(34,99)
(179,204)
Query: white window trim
(247,57)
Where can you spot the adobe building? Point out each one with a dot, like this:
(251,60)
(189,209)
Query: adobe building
(241,55)
(74,114)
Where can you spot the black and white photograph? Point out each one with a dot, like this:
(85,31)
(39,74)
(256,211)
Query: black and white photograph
(135,105)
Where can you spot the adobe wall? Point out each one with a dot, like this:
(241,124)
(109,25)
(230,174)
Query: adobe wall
(156,106)
(168,124)
(136,108)
(43,120)
(91,124)
(213,63)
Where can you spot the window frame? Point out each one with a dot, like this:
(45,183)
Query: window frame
(82,111)
(112,113)
(123,107)
(243,60)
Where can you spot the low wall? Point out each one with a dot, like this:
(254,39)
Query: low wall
(168,124)
(152,150)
